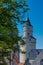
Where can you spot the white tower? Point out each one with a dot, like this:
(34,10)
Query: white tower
(28,37)
(23,54)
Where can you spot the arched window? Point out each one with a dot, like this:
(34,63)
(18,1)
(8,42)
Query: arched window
(41,62)
(31,54)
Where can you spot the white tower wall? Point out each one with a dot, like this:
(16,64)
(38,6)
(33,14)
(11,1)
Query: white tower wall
(22,53)
(22,58)
(28,31)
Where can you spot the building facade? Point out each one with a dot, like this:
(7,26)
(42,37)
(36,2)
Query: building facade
(34,55)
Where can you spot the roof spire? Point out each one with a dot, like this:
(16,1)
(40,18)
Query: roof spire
(28,21)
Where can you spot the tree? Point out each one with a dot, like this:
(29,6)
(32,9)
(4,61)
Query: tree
(11,12)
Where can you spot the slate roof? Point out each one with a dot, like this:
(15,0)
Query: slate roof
(33,53)
(27,22)
(33,37)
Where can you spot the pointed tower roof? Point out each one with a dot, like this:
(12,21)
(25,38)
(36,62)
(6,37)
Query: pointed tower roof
(28,22)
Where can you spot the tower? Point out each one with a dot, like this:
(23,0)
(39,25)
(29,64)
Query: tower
(30,42)
(28,37)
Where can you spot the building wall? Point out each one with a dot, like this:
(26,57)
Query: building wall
(22,54)
(28,31)
(38,59)
(22,58)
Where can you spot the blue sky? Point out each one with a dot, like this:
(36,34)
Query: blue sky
(36,19)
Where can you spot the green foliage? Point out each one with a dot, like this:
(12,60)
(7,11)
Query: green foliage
(23,52)
(10,14)
(22,41)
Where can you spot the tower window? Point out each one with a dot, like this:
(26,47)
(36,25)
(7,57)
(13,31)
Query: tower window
(29,39)
(28,33)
